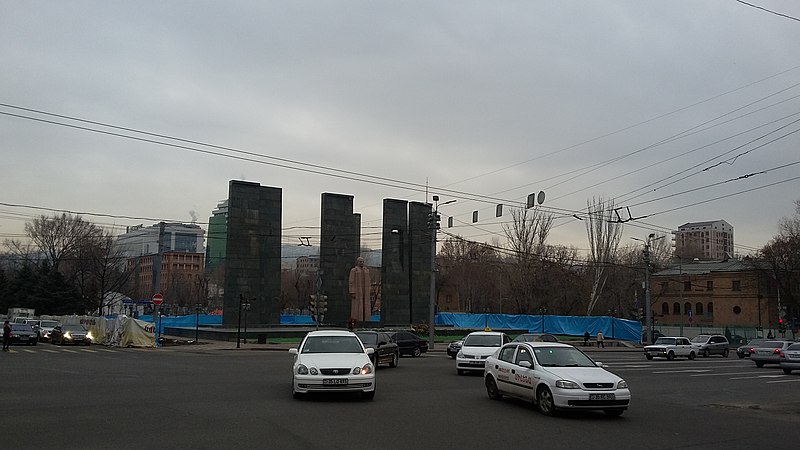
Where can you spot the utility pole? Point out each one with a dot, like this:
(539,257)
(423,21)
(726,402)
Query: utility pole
(647,301)
(434,224)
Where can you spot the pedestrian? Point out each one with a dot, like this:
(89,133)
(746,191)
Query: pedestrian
(600,338)
(6,335)
(769,335)
(585,338)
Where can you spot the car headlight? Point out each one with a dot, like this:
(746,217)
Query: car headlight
(67,335)
(302,370)
(89,336)
(366,370)
(566,384)
(313,371)
(622,385)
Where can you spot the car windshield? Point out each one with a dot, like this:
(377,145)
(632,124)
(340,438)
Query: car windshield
(21,327)
(562,357)
(665,341)
(793,347)
(482,340)
(48,323)
(73,328)
(332,344)
(700,339)
(368,338)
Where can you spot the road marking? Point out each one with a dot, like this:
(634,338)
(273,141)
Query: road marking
(757,377)
(720,374)
(49,350)
(88,350)
(27,350)
(683,371)
(793,380)
(68,351)
(105,350)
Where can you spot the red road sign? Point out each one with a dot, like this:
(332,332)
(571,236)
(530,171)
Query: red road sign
(158,299)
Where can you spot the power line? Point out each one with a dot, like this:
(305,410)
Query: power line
(768,10)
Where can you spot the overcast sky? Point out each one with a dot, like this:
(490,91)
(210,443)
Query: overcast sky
(655,104)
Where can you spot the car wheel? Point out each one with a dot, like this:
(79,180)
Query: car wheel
(395,359)
(787,371)
(544,400)
(759,364)
(705,353)
(670,356)
(692,355)
(725,353)
(740,356)
(648,356)
(491,389)
(614,412)
(417,352)
(368,395)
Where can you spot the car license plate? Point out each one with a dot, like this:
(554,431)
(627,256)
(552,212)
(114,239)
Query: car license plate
(602,397)
(333,381)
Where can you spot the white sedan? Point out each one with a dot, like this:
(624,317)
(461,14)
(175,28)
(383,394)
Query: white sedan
(554,376)
(329,361)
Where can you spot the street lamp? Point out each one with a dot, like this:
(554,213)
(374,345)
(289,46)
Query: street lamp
(433,225)
(648,306)
(196,322)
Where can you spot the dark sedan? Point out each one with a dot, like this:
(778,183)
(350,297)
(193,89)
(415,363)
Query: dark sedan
(386,351)
(71,334)
(23,333)
(535,337)
(745,350)
(409,343)
(453,348)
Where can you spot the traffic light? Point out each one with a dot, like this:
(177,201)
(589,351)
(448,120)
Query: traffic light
(781,325)
(312,306)
(433,220)
(641,314)
(318,304)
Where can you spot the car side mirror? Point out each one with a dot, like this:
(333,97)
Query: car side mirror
(293,351)
(599,364)
(525,364)
(370,351)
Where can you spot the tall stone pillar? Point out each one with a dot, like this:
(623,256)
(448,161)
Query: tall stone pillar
(340,245)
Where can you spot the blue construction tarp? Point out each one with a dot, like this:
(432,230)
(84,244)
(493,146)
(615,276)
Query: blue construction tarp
(612,327)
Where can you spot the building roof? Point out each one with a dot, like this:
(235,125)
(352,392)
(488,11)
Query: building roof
(707,267)
(705,223)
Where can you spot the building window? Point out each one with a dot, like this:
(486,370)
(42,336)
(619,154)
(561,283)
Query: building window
(710,308)
(676,309)
(737,285)
(687,285)
(686,307)
(698,309)
(709,285)
(664,309)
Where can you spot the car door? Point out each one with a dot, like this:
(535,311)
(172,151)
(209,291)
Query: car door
(385,349)
(523,373)
(504,365)
(683,347)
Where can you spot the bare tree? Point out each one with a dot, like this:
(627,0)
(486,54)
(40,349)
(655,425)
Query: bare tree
(604,233)
(469,266)
(527,237)
(59,237)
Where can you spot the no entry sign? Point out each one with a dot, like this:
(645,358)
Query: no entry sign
(158,299)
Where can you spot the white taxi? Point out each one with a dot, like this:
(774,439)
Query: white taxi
(332,361)
(554,376)
(476,347)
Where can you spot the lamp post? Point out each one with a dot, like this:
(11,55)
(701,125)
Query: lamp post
(648,305)
(196,322)
(433,225)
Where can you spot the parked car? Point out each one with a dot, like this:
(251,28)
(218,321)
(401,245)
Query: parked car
(385,351)
(790,359)
(670,348)
(332,361)
(43,328)
(710,344)
(409,343)
(453,348)
(745,350)
(71,334)
(22,333)
(554,376)
(769,352)
(477,347)
(535,337)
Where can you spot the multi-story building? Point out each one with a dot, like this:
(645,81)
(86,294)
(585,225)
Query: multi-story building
(217,235)
(182,280)
(307,265)
(712,240)
(715,294)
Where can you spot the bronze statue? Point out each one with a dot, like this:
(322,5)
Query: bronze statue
(360,308)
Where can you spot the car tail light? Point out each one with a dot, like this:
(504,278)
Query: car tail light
(777,351)
(752,350)
(783,355)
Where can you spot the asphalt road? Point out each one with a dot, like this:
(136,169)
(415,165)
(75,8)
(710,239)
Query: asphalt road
(185,397)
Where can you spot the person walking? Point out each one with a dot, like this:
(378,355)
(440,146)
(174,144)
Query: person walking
(6,335)
(585,338)
(600,339)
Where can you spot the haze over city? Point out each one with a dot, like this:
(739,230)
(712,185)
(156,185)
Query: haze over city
(679,111)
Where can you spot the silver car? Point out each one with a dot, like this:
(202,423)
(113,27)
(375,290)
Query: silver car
(769,352)
(790,359)
(710,344)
